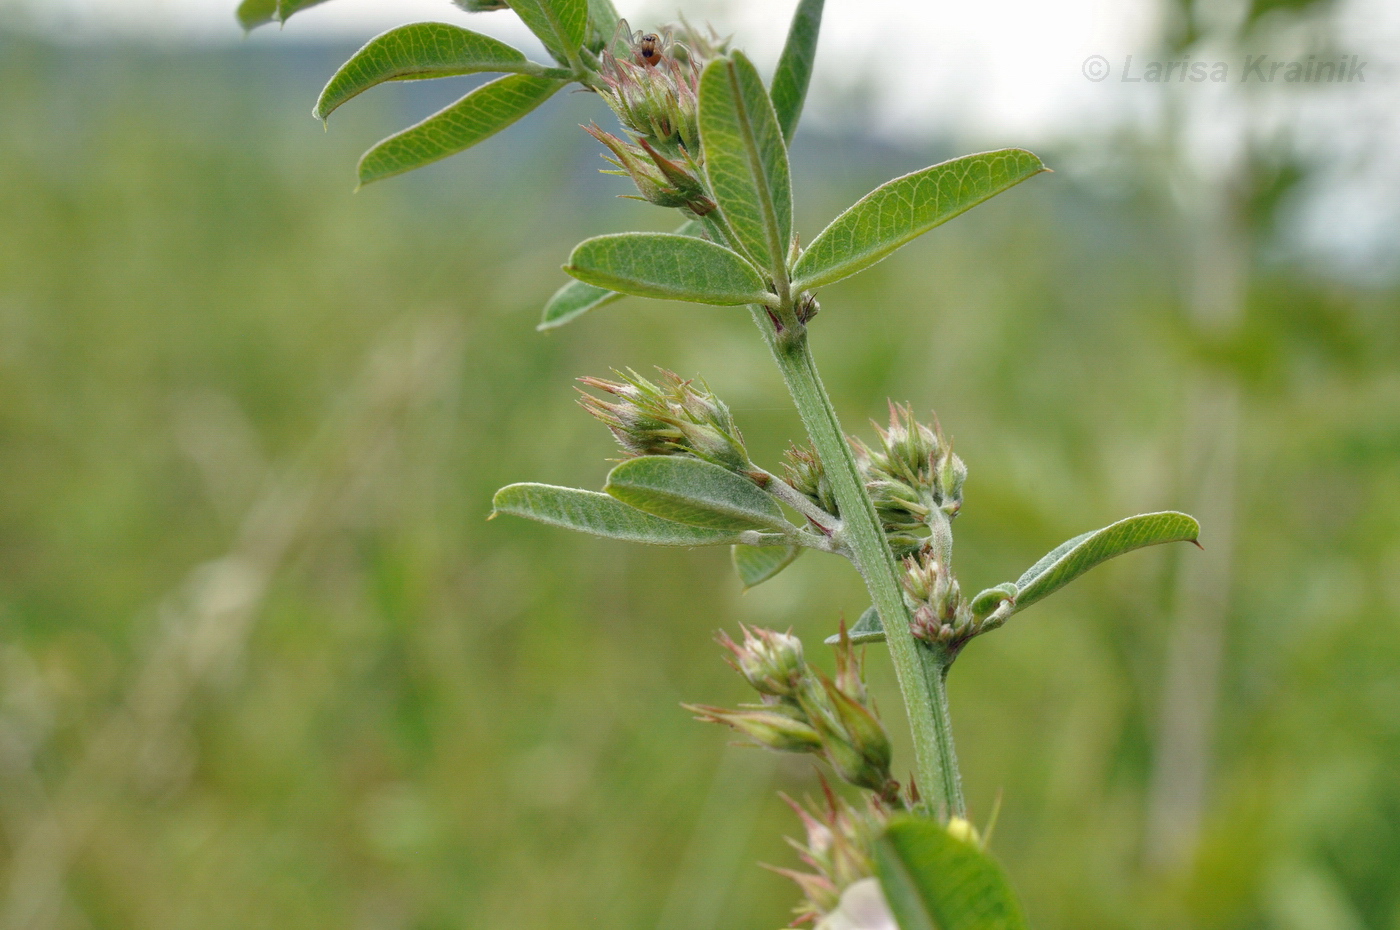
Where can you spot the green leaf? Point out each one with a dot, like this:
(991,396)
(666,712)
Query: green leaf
(868,629)
(695,492)
(601,515)
(285,8)
(254,13)
(935,881)
(481,6)
(477,116)
(746,160)
(602,23)
(1076,556)
(795,66)
(756,564)
(899,210)
(989,600)
(575,299)
(572,301)
(559,24)
(668,266)
(416,52)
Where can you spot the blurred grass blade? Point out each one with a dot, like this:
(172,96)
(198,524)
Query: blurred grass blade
(868,629)
(254,13)
(746,159)
(416,52)
(600,515)
(572,301)
(756,564)
(934,881)
(795,66)
(560,24)
(576,298)
(695,492)
(907,207)
(1076,556)
(477,116)
(669,267)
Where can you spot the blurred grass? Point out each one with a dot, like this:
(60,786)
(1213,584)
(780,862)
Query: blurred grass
(265,664)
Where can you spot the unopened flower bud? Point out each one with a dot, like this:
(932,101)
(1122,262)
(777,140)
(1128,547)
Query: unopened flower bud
(767,728)
(803,470)
(674,417)
(770,661)
(940,614)
(952,474)
(858,748)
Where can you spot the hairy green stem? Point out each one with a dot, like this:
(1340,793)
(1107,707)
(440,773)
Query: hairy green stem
(921,671)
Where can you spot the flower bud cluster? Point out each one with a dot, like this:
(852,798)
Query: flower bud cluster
(660,180)
(652,83)
(911,472)
(803,470)
(803,710)
(837,848)
(940,614)
(674,417)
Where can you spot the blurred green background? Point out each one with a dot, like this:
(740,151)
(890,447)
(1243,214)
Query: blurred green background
(266,664)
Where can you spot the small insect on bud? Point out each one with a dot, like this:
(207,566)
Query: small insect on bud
(653,90)
(770,661)
(770,729)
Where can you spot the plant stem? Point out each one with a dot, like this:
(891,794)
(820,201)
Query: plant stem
(921,670)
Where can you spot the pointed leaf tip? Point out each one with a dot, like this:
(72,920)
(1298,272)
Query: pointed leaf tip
(416,52)
(477,116)
(794,71)
(901,210)
(1076,556)
(601,515)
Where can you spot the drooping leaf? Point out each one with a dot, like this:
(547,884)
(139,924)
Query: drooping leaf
(900,210)
(254,13)
(560,24)
(746,159)
(935,881)
(601,515)
(481,6)
(415,52)
(868,629)
(1076,556)
(695,492)
(795,65)
(668,266)
(756,564)
(576,298)
(572,301)
(477,116)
